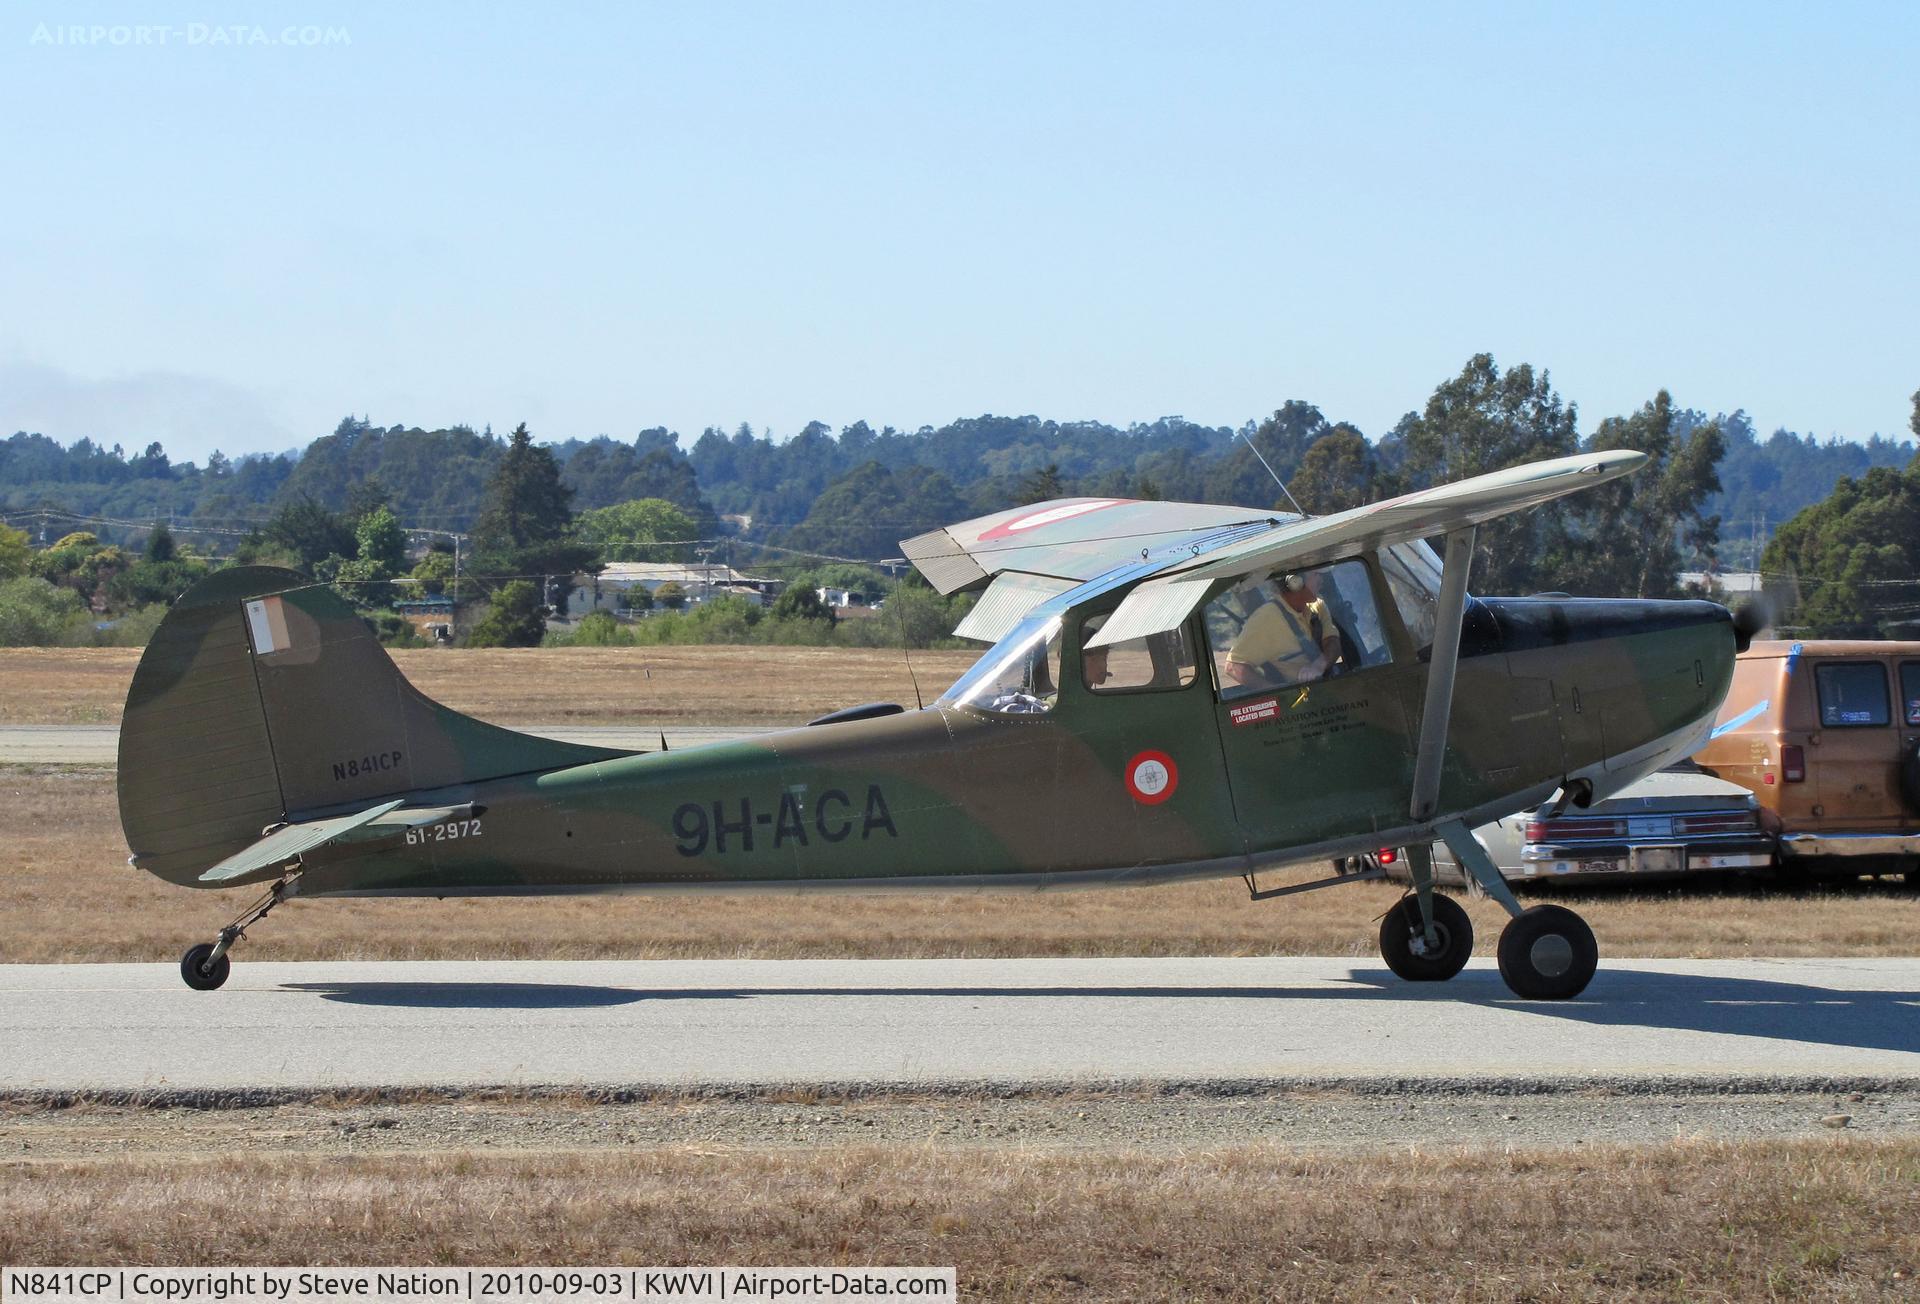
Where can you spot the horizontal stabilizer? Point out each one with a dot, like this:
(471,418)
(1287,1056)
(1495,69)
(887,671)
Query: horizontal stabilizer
(264,700)
(279,847)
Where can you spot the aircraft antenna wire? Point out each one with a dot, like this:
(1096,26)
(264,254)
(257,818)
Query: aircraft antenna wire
(1270,471)
(919,702)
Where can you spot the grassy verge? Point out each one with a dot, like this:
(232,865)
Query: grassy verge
(1753,1220)
(67,894)
(583,686)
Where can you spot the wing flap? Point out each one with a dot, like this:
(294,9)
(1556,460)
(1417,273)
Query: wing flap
(1005,604)
(1157,605)
(1069,538)
(282,845)
(939,557)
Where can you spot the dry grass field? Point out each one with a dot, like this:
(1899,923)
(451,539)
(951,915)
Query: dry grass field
(67,894)
(630,686)
(1822,1220)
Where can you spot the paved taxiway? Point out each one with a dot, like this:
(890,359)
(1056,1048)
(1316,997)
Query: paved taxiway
(941,1022)
(99,744)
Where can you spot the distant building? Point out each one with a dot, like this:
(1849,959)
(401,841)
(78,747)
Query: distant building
(432,618)
(698,580)
(1735,584)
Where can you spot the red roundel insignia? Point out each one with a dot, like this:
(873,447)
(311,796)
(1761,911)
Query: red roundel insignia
(1049,516)
(1152,777)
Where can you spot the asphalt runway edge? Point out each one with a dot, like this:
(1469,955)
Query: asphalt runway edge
(811,1092)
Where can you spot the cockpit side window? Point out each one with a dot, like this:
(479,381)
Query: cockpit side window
(1158,661)
(1296,628)
(1020,676)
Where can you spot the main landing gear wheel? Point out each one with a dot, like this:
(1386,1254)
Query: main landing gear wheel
(200,975)
(1547,953)
(1403,942)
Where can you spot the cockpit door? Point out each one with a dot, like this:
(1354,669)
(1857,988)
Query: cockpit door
(1147,748)
(1311,705)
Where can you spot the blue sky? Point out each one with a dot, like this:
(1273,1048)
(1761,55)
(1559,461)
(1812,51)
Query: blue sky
(608,217)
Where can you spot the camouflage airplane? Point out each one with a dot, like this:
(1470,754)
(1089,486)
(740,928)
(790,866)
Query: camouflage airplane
(1174,691)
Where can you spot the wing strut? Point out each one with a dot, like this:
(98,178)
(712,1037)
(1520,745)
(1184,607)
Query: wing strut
(1442,662)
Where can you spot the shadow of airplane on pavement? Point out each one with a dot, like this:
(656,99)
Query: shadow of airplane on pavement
(1744,1007)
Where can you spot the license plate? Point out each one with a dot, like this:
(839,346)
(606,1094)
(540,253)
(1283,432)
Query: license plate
(1659,860)
(1649,826)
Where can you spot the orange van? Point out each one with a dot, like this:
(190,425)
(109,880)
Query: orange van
(1824,734)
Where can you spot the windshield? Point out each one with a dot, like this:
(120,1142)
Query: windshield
(1413,575)
(1019,675)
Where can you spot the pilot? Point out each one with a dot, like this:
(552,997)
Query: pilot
(1093,667)
(1288,640)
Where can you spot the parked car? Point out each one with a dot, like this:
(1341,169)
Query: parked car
(1825,735)
(1672,824)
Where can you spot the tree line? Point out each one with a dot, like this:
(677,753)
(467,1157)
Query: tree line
(1849,566)
(772,488)
(539,514)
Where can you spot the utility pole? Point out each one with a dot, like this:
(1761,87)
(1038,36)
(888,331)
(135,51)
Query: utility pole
(458,539)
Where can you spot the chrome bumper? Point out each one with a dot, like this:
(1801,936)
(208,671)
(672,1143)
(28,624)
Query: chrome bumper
(1850,844)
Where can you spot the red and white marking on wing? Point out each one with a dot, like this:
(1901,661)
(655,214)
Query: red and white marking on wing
(1051,516)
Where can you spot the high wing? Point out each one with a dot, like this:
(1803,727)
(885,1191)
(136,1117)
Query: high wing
(1032,553)
(1163,602)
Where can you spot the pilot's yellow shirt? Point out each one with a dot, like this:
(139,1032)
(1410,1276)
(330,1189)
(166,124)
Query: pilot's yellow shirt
(1269,635)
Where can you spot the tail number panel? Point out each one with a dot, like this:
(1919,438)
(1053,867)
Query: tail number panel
(730,825)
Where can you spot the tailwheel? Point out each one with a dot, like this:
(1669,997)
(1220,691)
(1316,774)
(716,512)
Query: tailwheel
(206,966)
(202,972)
(1403,941)
(1547,953)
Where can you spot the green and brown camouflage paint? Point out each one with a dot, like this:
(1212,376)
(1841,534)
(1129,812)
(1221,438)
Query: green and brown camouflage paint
(265,700)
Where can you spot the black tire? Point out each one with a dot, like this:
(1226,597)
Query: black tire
(1403,940)
(1547,953)
(198,974)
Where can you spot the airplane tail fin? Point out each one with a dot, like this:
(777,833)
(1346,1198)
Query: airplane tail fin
(265,699)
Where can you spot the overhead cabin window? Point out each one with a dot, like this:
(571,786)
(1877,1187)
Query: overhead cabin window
(1853,694)
(1163,660)
(1294,628)
(1412,573)
(1019,676)
(1910,691)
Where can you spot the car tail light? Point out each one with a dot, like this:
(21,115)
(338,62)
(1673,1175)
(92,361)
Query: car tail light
(1732,821)
(1575,826)
(1388,855)
(1793,764)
